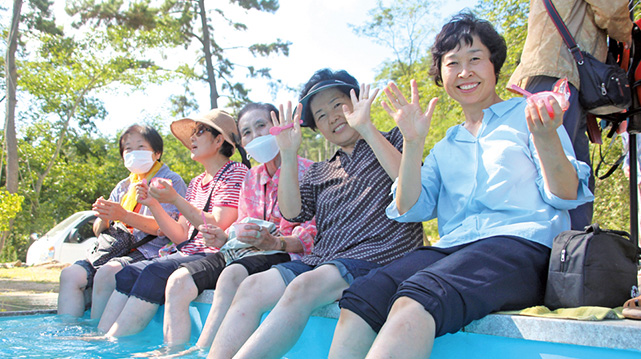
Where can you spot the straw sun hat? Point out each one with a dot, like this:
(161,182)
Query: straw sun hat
(218,119)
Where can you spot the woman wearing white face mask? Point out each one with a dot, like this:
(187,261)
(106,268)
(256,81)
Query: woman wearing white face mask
(141,148)
(212,197)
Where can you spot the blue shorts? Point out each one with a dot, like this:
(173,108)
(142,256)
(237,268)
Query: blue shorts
(147,280)
(455,285)
(349,269)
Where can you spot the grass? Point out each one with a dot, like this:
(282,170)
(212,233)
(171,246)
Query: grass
(31,274)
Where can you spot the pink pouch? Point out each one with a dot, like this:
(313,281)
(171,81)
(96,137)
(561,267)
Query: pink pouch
(560,92)
(156,183)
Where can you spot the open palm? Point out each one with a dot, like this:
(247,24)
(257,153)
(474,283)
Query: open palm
(413,123)
(289,139)
(359,116)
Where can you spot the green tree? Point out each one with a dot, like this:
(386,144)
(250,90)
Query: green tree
(181,23)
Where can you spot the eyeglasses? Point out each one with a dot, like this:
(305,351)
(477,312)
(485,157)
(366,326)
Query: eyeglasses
(200,129)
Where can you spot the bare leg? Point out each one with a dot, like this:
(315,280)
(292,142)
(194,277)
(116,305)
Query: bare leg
(353,337)
(226,288)
(281,329)
(134,317)
(408,332)
(112,310)
(71,296)
(256,295)
(180,291)
(104,284)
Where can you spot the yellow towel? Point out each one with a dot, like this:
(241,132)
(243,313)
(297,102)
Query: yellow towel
(579,313)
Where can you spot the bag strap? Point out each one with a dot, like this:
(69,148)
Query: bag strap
(594,228)
(563,30)
(148,238)
(211,193)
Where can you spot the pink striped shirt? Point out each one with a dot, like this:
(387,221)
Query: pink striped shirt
(226,193)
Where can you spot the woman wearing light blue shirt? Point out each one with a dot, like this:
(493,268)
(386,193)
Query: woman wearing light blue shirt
(500,184)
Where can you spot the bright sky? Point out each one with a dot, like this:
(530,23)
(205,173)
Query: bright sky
(320,37)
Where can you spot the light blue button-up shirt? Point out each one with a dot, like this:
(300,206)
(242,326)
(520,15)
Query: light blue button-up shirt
(492,184)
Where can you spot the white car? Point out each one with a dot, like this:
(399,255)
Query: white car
(67,242)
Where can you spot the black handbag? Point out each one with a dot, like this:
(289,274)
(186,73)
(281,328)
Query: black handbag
(594,267)
(605,87)
(115,241)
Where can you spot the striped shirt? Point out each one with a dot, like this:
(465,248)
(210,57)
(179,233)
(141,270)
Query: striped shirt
(226,186)
(348,195)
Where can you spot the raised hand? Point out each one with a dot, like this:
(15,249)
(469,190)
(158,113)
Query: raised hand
(358,117)
(290,139)
(409,117)
(539,121)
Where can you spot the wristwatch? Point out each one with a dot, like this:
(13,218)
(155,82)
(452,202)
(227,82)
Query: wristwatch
(283,244)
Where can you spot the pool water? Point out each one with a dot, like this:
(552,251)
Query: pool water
(51,336)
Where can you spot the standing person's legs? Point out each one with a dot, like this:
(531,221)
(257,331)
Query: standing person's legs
(183,286)
(73,282)
(575,123)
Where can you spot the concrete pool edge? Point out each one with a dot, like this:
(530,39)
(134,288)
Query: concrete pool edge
(616,334)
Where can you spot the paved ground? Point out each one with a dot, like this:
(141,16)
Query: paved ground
(18,295)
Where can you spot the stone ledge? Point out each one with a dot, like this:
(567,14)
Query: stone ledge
(618,334)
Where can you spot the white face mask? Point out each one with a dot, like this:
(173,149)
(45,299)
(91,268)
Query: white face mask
(263,149)
(139,162)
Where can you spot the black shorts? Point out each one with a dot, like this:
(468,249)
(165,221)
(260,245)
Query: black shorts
(205,272)
(455,285)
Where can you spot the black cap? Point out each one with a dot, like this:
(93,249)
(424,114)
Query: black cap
(308,120)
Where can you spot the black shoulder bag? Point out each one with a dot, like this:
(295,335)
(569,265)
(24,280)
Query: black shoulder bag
(593,267)
(605,87)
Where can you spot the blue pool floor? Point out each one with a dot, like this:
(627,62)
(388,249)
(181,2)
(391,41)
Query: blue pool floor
(51,336)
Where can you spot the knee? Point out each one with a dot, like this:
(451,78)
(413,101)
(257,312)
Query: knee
(250,288)
(303,288)
(179,283)
(107,274)
(232,276)
(73,276)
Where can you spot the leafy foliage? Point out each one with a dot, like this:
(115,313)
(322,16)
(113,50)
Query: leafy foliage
(10,206)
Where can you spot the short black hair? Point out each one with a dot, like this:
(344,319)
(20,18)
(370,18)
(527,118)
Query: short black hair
(324,75)
(462,27)
(147,132)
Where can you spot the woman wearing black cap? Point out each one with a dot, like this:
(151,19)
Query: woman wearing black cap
(347,195)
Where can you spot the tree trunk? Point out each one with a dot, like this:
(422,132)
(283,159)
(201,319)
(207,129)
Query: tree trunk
(11,143)
(211,78)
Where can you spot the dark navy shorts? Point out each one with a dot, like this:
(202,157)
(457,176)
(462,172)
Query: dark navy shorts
(455,285)
(147,280)
(349,269)
(205,271)
(133,257)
